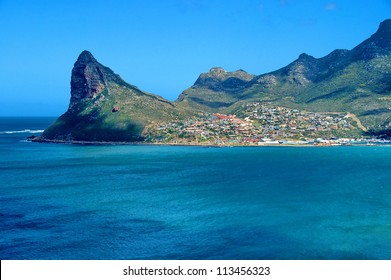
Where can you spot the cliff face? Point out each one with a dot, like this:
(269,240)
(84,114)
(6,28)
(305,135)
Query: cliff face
(88,78)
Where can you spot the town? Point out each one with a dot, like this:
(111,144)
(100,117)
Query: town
(261,124)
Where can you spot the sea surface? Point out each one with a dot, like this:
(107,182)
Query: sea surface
(60,201)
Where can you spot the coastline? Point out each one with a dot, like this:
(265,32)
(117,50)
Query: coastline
(112,143)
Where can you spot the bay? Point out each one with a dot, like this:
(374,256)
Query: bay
(62,201)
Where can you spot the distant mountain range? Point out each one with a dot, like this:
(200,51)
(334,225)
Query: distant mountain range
(103,107)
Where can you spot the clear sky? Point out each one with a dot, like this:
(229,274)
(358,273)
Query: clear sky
(163,46)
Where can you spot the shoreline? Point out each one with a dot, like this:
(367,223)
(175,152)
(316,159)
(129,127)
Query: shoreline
(111,143)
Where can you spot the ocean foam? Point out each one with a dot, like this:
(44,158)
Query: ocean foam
(22,131)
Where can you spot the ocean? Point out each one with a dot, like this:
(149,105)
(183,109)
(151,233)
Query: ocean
(62,201)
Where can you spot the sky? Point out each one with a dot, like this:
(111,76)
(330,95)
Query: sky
(163,46)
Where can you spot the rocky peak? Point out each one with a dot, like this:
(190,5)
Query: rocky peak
(384,28)
(221,74)
(219,79)
(214,75)
(305,60)
(86,57)
(338,53)
(243,75)
(302,70)
(378,45)
(382,37)
(305,56)
(216,72)
(88,78)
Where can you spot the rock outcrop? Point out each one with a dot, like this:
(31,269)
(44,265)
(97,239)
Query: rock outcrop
(96,93)
(88,78)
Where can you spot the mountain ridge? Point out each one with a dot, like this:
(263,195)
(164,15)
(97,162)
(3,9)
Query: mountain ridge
(103,107)
(356,80)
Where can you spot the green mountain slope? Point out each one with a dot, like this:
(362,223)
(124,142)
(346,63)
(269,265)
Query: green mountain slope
(356,81)
(216,90)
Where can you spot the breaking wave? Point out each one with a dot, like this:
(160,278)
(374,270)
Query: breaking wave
(22,131)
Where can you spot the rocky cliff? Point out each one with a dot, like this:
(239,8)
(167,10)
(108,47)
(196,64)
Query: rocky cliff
(103,107)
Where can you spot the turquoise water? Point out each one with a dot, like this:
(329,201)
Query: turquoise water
(147,202)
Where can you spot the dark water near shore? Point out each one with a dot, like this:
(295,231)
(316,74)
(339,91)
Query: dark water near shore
(148,202)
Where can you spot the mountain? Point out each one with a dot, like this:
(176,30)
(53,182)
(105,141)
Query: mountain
(356,81)
(103,107)
(215,90)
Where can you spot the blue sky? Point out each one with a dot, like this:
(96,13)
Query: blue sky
(163,46)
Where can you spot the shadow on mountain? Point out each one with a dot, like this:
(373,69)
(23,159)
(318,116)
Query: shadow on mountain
(211,104)
(92,127)
(328,95)
(381,134)
(376,112)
